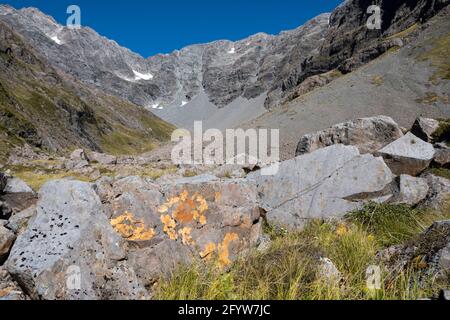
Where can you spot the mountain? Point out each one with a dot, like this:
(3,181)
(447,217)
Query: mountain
(45,108)
(218,72)
(408,80)
(226,84)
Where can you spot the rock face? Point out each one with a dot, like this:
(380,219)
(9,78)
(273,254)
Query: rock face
(70,250)
(424,128)
(191,219)
(323,184)
(408,155)
(78,155)
(367,134)
(411,190)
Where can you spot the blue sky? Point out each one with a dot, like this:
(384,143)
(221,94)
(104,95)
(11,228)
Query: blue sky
(161,26)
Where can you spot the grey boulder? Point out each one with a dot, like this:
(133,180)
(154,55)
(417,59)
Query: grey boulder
(408,155)
(70,250)
(16,185)
(326,183)
(102,158)
(411,190)
(367,134)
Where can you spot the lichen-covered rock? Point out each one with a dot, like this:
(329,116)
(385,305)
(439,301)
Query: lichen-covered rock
(199,218)
(411,190)
(408,155)
(367,134)
(424,128)
(69,250)
(326,183)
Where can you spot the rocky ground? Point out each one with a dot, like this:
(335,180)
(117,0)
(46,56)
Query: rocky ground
(95,226)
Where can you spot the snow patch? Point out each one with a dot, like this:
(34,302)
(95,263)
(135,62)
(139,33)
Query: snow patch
(142,76)
(232,51)
(56,40)
(183,103)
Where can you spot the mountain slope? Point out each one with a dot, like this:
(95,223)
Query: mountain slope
(44,108)
(223,71)
(403,83)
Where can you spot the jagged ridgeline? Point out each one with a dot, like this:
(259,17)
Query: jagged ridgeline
(44,108)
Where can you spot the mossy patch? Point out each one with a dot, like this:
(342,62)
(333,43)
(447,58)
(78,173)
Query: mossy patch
(439,55)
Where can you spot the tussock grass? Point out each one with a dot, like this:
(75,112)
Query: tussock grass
(289,268)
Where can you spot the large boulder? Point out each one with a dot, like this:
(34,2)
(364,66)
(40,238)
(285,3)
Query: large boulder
(199,218)
(411,190)
(367,134)
(16,185)
(408,155)
(326,183)
(70,250)
(425,128)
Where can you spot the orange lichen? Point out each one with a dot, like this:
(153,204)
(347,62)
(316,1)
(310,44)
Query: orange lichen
(184,212)
(208,251)
(188,209)
(132,229)
(186,237)
(169,226)
(223,249)
(217,197)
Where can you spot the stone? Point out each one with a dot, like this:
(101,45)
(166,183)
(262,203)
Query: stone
(18,222)
(78,155)
(16,185)
(70,250)
(13,203)
(367,134)
(442,158)
(326,183)
(424,128)
(102,158)
(411,190)
(438,197)
(328,271)
(76,164)
(445,295)
(200,218)
(9,290)
(408,155)
(6,241)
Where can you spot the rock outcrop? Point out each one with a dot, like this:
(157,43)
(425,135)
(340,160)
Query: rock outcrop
(326,183)
(411,190)
(367,134)
(425,128)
